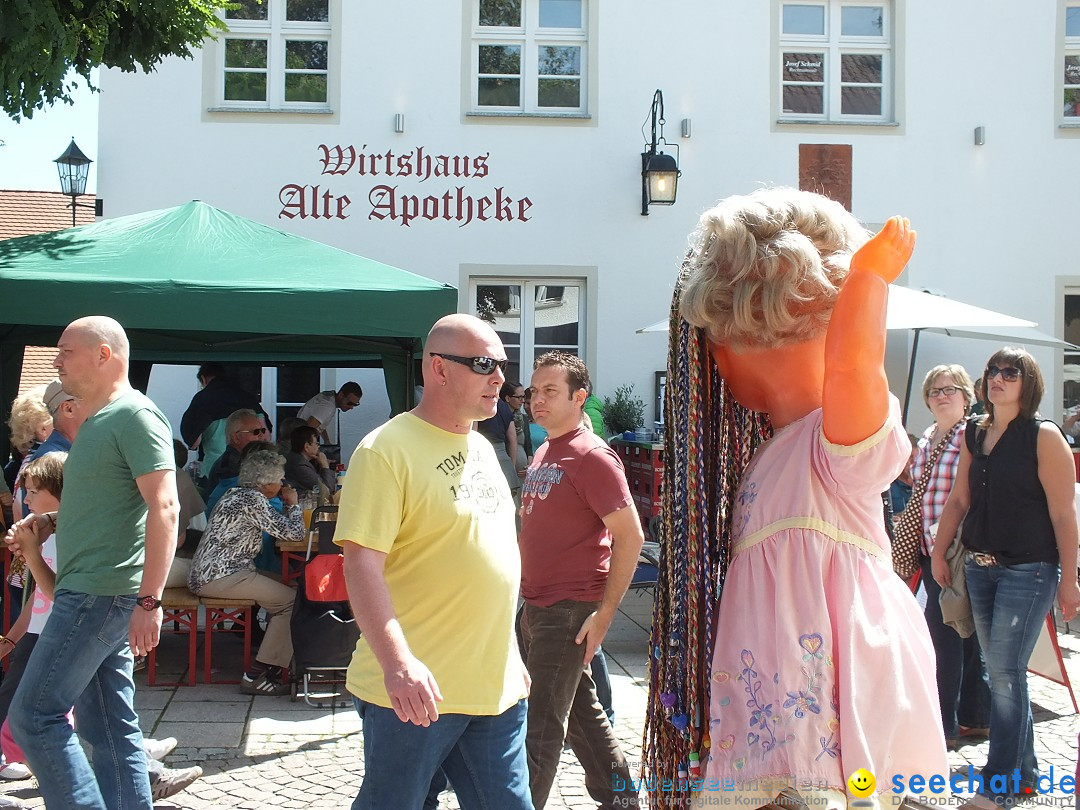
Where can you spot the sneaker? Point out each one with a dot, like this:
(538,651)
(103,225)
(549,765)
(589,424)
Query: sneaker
(265,684)
(10,801)
(159,749)
(173,780)
(14,771)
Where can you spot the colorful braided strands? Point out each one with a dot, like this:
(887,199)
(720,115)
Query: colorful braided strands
(708,441)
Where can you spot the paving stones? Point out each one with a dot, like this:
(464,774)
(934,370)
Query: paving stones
(262,752)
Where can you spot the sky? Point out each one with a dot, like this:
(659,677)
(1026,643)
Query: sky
(30,146)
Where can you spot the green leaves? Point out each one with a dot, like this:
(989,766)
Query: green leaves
(41,40)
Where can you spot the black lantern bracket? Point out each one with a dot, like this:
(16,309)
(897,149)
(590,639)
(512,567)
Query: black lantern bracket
(659,171)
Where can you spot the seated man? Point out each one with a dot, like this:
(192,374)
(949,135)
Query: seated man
(319,411)
(241,429)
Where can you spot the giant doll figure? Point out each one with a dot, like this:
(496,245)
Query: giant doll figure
(817,662)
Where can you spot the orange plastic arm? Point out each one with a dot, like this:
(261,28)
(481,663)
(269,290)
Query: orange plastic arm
(855,394)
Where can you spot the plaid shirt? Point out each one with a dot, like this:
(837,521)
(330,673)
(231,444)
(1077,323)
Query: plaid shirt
(941,479)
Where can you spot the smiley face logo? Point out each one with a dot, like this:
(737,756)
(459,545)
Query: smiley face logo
(861,783)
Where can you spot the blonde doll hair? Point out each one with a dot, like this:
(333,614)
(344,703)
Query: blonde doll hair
(766,267)
(28,415)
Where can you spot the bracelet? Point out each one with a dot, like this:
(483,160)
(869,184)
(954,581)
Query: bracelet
(8,640)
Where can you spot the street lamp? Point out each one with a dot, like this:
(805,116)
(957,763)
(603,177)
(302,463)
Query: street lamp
(74,167)
(659,172)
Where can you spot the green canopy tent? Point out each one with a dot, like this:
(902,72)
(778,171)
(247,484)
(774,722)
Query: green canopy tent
(195,283)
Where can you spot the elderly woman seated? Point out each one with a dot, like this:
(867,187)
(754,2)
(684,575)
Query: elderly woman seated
(223,566)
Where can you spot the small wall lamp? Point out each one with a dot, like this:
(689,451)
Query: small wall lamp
(980,136)
(659,172)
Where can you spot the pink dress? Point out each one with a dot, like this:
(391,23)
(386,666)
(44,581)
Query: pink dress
(823,663)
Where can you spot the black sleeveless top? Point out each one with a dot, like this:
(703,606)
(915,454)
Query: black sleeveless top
(1008,515)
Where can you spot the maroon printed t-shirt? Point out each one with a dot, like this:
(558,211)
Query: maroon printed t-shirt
(573,482)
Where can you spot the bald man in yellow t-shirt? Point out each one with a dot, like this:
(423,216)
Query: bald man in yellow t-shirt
(431,559)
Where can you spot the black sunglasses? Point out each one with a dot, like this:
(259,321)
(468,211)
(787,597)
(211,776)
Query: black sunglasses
(1009,373)
(481,365)
(255,432)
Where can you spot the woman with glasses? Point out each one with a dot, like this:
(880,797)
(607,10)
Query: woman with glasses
(224,567)
(961,677)
(1014,492)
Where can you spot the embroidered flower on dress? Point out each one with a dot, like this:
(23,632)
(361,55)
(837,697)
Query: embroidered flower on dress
(803,703)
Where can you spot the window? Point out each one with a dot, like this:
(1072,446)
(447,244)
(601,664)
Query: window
(1071,71)
(276,55)
(532,317)
(835,61)
(530,56)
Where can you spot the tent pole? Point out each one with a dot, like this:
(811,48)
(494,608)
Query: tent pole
(910,376)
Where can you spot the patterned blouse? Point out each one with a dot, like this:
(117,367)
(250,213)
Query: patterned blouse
(233,536)
(941,479)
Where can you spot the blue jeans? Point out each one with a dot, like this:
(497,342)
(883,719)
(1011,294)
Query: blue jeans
(602,679)
(1009,604)
(963,689)
(483,756)
(82,660)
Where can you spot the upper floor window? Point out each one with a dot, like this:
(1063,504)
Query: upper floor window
(530,56)
(835,60)
(276,55)
(1071,72)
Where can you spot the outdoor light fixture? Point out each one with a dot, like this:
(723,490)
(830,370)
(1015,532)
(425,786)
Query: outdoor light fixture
(74,167)
(659,172)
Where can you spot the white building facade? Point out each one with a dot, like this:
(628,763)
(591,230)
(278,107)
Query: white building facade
(496,145)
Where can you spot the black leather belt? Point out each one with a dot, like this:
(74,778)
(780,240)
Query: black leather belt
(982,558)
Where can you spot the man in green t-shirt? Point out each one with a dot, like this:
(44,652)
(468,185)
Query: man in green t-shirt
(115,537)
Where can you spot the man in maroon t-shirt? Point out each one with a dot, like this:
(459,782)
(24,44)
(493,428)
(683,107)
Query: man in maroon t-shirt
(580,540)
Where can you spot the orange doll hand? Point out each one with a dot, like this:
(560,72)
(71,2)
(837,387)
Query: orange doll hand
(887,253)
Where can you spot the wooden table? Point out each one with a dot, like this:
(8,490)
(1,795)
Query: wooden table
(293,556)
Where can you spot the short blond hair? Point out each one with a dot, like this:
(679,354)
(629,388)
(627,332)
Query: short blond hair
(766,267)
(961,379)
(28,414)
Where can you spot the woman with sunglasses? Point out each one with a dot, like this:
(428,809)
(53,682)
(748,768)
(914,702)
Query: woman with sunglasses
(1014,492)
(961,675)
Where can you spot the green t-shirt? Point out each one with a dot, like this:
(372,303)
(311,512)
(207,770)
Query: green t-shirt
(101,526)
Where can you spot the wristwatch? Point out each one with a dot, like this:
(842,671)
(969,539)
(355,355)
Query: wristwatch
(148,602)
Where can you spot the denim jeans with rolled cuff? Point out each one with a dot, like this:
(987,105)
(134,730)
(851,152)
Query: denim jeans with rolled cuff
(1009,604)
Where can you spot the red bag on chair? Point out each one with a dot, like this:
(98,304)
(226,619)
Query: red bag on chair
(324,578)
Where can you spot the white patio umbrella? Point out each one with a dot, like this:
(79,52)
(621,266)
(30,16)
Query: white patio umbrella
(919,311)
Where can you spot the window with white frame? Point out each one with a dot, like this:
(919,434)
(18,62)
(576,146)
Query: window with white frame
(532,316)
(1071,71)
(835,60)
(276,55)
(530,56)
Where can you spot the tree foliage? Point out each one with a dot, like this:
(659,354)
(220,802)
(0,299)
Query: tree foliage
(41,40)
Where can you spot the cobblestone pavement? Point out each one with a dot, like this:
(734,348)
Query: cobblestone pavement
(263,752)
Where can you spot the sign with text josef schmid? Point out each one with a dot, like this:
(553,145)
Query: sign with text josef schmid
(405,187)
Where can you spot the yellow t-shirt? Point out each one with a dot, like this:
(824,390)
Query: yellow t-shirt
(438,504)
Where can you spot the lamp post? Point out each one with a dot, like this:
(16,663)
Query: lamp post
(74,167)
(659,172)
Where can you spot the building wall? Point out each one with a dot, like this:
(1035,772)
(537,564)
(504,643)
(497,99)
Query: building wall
(992,221)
